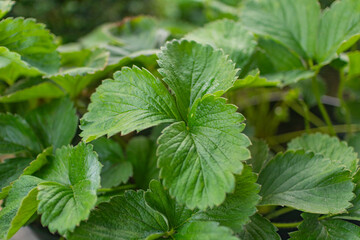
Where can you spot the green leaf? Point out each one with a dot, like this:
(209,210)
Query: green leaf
(159,200)
(330,147)
(327,229)
(115,169)
(12,169)
(253,79)
(15,131)
(124,217)
(228,35)
(198,160)
(259,228)
(134,100)
(20,206)
(204,230)
(289,77)
(192,70)
(12,67)
(141,152)
(259,154)
(5,7)
(69,193)
(308,182)
(238,206)
(55,123)
(32,41)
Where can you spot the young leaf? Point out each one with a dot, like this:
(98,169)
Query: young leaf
(159,200)
(69,193)
(228,35)
(134,100)
(5,7)
(55,123)
(259,155)
(253,79)
(20,206)
(307,182)
(141,152)
(330,147)
(259,228)
(238,206)
(32,41)
(204,230)
(332,229)
(124,217)
(198,160)
(115,169)
(192,70)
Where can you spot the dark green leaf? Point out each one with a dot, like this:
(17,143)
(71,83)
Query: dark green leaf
(259,228)
(259,155)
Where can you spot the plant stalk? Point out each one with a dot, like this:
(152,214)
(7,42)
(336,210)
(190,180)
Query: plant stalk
(123,187)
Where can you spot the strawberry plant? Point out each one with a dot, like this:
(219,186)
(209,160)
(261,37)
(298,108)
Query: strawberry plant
(244,128)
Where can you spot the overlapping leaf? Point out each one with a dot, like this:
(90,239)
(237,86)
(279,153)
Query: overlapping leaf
(259,228)
(5,7)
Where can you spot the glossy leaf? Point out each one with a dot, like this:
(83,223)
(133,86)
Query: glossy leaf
(308,182)
(259,228)
(198,160)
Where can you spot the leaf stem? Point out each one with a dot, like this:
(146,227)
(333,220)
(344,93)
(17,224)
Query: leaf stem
(123,187)
(287,225)
(279,212)
(340,95)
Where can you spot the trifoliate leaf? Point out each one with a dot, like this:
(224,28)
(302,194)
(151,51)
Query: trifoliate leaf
(12,67)
(15,131)
(308,182)
(13,168)
(32,41)
(124,217)
(115,169)
(141,152)
(69,193)
(192,70)
(228,35)
(5,7)
(134,100)
(259,228)
(259,154)
(55,123)
(198,160)
(159,200)
(238,206)
(20,205)
(204,230)
(330,147)
(327,229)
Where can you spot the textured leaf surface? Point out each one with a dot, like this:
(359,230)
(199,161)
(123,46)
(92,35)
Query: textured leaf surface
(21,204)
(198,161)
(5,7)
(159,200)
(134,100)
(327,229)
(259,228)
(307,182)
(124,217)
(330,147)
(115,169)
(204,230)
(192,70)
(253,79)
(69,194)
(228,35)
(32,41)
(238,206)
(55,123)
(259,154)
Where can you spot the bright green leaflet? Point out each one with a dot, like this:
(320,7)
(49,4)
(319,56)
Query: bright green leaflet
(55,123)
(329,229)
(32,41)
(238,206)
(308,182)
(259,154)
(192,70)
(330,147)
(124,217)
(69,193)
(253,79)
(115,169)
(20,205)
(134,100)
(5,7)
(141,152)
(159,200)
(259,228)
(198,160)
(228,35)
(204,230)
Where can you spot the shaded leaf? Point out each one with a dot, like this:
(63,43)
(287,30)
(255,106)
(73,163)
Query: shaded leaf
(259,228)
(259,154)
